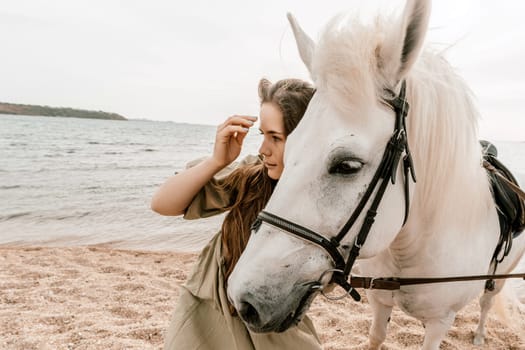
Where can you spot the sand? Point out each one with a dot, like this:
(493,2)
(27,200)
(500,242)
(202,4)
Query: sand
(101,298)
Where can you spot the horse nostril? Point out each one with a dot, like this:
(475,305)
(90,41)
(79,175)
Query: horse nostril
(248,313)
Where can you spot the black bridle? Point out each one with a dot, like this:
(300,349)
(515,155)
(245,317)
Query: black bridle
(385,173)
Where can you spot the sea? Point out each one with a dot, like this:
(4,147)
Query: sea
(71,181)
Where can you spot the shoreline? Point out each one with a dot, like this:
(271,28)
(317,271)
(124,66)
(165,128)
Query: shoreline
(97,297)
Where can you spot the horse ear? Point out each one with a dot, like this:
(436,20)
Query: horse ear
(398,56)
(305,44)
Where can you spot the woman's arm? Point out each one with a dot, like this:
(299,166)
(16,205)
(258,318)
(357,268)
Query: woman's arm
(174,196)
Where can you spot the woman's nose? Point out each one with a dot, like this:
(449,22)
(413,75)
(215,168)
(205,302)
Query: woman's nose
(264,149)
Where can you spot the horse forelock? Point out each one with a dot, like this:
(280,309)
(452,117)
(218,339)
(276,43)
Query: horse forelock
(346,64)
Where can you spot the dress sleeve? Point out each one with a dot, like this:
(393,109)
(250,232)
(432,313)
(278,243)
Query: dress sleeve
(212,199)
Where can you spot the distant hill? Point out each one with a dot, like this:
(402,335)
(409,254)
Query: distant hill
(46,111)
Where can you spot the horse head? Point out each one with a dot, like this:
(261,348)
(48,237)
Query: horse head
(330,161)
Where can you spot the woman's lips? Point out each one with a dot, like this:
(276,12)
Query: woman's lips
(269,165)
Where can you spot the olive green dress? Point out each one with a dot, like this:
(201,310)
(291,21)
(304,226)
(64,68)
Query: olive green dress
(202,320)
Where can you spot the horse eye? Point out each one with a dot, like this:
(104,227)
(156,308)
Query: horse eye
(345,167)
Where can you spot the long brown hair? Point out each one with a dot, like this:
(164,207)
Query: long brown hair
(250,185)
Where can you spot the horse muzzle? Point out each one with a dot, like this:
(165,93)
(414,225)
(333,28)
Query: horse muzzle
(264,309)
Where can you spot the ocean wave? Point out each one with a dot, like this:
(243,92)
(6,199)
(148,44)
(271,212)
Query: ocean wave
(56,153)
(45,216)
(65,217)
(9,187)
(14,216)
(138,167)
(97,167)
(117,143)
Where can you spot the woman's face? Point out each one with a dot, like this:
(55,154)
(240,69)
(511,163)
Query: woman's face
(272,147)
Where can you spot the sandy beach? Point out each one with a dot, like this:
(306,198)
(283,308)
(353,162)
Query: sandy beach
(101,298)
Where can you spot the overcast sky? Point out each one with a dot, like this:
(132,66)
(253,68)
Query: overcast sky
(200,61)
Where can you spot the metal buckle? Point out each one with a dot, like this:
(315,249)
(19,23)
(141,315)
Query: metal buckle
(321,288)
(342,296)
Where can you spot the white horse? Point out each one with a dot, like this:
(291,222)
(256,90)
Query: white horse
(452,228)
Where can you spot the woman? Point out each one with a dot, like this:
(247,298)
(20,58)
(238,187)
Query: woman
(204,318)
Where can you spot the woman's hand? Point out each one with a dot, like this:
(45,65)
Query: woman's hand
(229,138)
(176,194)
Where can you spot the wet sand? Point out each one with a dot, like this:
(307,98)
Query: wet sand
(102,298)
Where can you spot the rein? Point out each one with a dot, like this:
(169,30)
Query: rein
(394,283)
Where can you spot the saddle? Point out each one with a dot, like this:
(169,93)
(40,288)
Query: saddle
(509,200)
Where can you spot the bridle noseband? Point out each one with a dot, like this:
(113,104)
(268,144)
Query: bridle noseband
(385,173)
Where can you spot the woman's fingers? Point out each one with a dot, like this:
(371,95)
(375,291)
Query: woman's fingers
(240,137)
(232,129)
(230,136)
(242,120)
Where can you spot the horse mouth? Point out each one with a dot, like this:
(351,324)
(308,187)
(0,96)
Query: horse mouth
(296,316)
(292,319)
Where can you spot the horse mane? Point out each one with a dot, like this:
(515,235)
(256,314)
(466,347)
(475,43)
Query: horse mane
(442,121)
(443,133)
